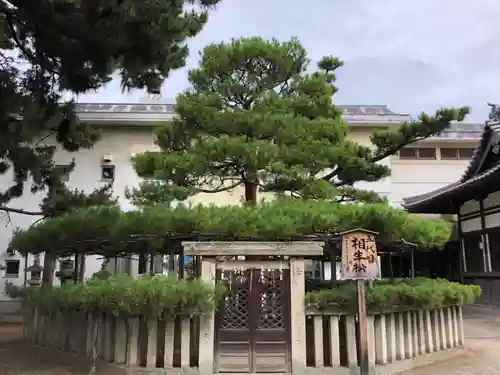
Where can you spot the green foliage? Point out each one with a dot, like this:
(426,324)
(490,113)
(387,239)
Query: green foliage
(48,48)
(14,291)
(87,229)
(127,296)
(61,200)
(257,116)
(394,295)
(85,224)
(102,275)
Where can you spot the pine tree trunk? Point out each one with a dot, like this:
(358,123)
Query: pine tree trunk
(49,262)
(250,193)
(81,269)
(251,188)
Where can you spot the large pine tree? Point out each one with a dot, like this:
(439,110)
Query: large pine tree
(48,47)
(257,116)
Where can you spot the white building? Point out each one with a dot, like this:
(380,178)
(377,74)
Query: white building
(127,129)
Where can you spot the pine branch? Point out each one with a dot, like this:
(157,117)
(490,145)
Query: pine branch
(20,211)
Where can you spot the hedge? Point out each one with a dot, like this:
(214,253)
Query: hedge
(168,297)
(88,228)
(394,295)
(125,296)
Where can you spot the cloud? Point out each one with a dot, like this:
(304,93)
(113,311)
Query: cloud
(410,55)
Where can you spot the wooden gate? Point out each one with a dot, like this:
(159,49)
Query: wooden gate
(253,323)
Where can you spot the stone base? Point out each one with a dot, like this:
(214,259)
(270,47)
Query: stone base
(390,369)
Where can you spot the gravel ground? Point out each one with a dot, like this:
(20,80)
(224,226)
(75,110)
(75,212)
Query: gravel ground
(16,359)
(482,331)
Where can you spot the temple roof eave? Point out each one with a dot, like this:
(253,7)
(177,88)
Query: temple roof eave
(477,156)
(424,196)
(446,199)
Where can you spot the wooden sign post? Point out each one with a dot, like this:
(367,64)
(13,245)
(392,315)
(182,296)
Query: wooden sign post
(359,262)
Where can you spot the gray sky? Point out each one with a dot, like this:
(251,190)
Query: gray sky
(410,55)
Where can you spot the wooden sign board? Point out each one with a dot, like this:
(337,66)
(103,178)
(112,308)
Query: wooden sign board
(359,255)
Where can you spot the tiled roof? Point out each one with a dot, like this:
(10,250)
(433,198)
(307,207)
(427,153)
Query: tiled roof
(489,129)
(354,113)
(369,110)
(462,130)
(421,197)
(167,108)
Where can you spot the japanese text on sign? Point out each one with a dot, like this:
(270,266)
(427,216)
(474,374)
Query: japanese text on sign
(359,255)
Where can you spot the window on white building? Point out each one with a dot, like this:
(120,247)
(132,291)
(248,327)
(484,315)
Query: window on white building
(107,172)
(462,153)
(466,153)
(426,153)
(12,267)
(313,270)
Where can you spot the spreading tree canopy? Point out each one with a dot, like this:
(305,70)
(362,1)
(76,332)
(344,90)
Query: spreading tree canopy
(48,47)
(109,231)
(256,116)
(61,200)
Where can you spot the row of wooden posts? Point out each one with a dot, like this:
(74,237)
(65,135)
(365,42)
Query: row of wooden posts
(331,340)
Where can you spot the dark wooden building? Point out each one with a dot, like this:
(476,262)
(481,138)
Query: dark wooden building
(475,200)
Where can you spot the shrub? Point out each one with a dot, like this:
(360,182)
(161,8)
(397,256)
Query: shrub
(14,291)
(394,295)
(127,296)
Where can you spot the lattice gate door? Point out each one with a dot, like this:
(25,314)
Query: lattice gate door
(253,323)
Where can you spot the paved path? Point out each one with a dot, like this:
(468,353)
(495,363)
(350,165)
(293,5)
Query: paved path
(482,331)
(482,335)
(17,359)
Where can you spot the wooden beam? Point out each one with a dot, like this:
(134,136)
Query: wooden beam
(226,248)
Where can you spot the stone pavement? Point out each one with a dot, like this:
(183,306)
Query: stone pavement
(482,333)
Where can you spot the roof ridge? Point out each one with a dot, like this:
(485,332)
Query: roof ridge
(489,128)
(363,105)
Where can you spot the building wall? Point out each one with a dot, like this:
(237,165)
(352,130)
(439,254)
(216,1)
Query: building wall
(412,177)
(480,245)
(362,136)
(470,213)
(121,144)
(408,178)
(470,219)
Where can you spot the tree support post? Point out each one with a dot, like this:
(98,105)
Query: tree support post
(363,329)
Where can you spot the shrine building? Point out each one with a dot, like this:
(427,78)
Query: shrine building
(475,200)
